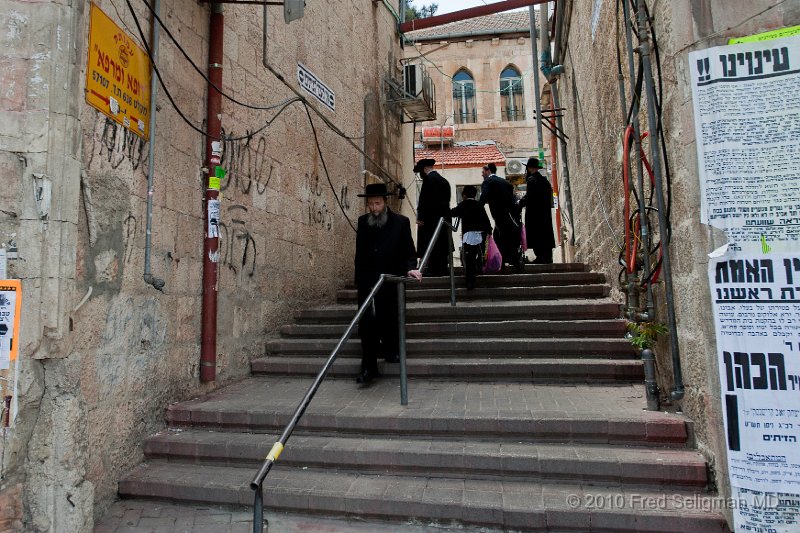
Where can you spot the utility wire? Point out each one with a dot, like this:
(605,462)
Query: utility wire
(591,159)
(285,104)
(325,167)
(203,74)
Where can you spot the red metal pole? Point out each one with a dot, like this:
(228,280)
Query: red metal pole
(208,346)
(455,16)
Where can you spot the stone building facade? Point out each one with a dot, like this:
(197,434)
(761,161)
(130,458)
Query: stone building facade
(478,51)
(593,121)
(102,352)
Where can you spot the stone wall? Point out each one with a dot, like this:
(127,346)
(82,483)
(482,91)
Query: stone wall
(103,352)
(593,120)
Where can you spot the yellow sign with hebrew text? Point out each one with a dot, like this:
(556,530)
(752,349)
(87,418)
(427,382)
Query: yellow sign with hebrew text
(117,75)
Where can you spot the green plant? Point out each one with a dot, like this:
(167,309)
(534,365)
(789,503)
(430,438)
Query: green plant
(643,335)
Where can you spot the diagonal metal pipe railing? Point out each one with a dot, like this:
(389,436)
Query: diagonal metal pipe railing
(258,481)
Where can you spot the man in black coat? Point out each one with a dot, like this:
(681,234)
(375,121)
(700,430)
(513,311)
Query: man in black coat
(499,194)
(383,246)
(538,201)
(434,204)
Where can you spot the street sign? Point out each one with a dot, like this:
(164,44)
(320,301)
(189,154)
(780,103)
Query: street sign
(311,83)
(117,75)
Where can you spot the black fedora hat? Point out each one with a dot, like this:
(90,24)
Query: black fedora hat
(376,189)
(533,162)
(422,163)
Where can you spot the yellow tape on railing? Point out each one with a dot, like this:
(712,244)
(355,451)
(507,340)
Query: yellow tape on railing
(275,452)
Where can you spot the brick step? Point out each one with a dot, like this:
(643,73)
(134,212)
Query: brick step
(465,348)
(517,370)
(599,414)
(510,280)
(539,269)
(571,309)
(442,458)
(494,293)
(471,329)
(507,504)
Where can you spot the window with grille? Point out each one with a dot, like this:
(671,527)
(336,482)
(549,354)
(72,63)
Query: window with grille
(512,101)
(464,109)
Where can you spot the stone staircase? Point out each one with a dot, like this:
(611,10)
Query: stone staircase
(525,413)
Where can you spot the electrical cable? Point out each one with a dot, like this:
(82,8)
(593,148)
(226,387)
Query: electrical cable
(203,74)
(175,106)
(591,159)
(331,125)
(325,167)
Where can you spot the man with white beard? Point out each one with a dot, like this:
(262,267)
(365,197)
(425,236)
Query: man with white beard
(383,246)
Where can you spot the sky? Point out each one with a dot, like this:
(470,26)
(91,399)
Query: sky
(446,6)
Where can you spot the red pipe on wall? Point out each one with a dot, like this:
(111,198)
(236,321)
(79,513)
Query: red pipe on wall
(455,16)
(208,342)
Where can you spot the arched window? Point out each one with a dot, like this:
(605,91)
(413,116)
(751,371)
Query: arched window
(512,101)
(464,110)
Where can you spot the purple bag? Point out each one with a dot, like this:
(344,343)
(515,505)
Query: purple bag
(523,235)
(494,261)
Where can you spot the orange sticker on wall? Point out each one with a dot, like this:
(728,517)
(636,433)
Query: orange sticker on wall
(10,310)
(117,75)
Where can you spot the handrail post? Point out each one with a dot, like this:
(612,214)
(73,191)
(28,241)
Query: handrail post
(401,321)
(258,511)
(452,273)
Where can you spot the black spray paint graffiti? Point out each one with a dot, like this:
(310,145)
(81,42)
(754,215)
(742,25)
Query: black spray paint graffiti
(131,225)
(318,213)
(245,162)
(237,247)
(119,145)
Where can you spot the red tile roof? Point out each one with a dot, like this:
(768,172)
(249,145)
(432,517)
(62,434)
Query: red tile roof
(463,156)
(486,25)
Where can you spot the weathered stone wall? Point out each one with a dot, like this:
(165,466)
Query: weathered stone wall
(103,353)
(593,120)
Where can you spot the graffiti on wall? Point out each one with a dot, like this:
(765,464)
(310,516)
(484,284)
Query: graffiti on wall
(237,247)
(118,146)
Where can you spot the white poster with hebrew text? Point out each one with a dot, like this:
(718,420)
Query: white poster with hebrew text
(747,125)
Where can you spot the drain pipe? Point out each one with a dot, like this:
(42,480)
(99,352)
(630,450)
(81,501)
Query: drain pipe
(157,283)
(649,313)
(536,94)
(644,47)
(208,345)
(650,383)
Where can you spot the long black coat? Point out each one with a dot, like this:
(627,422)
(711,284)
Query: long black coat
(434,203)
(499,194)
(538,201)
(473,216)
(385,250)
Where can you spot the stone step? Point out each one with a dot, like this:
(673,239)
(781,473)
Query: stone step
(472,329)
(540,269)
(570,309)
(454,458)
(494,293)
(506,504)
(599,414)
(517,370)
(465,348)
(510,280)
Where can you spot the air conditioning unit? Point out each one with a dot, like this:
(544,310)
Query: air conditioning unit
(412,79)
(515,167)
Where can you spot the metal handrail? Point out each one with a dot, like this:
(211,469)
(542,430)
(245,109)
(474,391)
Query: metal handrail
(258,481)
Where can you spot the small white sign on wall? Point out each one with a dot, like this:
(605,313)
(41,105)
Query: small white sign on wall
(311,83)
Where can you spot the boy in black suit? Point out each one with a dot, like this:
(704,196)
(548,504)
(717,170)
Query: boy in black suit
(475,226)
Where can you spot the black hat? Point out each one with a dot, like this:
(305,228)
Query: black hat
(422,163)
(376,189)
(533,162)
